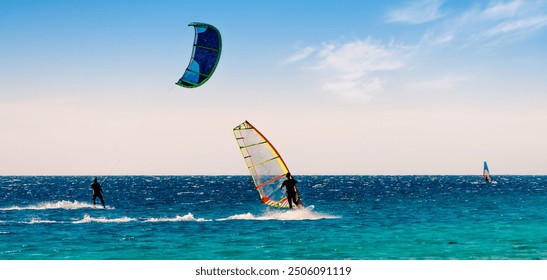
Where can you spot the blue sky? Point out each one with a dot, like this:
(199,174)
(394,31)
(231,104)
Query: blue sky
(339,87)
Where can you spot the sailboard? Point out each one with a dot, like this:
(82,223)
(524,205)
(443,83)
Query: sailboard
(265,164)
(486,173)
(205,55)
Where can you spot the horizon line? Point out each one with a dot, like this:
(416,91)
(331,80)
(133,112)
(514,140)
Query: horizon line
(213,175)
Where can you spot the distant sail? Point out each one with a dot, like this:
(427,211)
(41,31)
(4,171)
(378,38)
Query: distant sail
(205,56)
(266,166)
(486,173)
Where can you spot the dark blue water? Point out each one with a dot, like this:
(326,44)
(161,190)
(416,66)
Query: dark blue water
(221,217)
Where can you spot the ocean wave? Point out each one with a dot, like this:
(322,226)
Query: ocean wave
(40,221)
(292,215)
(187,217)
(63,204)
(89,219)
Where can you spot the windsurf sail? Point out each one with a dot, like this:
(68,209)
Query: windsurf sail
(205,55)
(266,166)
(486,173)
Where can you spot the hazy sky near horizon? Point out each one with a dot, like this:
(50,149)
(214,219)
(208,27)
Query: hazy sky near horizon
(339,87)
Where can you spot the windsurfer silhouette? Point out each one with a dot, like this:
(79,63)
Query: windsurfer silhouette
(97,191)
(290,186)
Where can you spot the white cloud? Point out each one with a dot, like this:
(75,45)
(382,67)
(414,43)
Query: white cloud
(356,89)
(416,12)
(511,19)
(502,10)
(357,58)
(496,24)
(301,55)
(523,25)
(362,69)
(352,69)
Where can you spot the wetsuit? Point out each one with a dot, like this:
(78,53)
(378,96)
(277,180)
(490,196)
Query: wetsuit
(97,192)
(290,185)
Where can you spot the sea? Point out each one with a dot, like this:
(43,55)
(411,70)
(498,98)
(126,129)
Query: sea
(222,218)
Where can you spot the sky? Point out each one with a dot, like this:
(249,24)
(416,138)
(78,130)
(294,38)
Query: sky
(339,87)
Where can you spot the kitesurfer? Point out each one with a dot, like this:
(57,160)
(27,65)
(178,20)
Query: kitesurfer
(290,186)
(97,191)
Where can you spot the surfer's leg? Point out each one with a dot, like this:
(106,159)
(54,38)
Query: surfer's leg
(290,199)
(102,201)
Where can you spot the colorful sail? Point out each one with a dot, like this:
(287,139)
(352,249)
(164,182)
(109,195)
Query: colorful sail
(486,173)
(205,56)
(266,166)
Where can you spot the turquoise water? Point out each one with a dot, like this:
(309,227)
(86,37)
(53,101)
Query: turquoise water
(221,218)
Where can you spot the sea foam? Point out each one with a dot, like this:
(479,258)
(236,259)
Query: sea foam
(281,215)
(187,217)
(63,204)
(89,219)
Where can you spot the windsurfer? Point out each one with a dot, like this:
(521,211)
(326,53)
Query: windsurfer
(290,185)
(97,191)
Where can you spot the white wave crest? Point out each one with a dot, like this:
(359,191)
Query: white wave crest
(63,204)
(89,219)
(296,215)
(40,221)
(187,217)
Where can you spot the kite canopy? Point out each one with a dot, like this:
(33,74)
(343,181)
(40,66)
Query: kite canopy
(205,56)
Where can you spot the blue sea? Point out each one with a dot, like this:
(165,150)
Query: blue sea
(221,218)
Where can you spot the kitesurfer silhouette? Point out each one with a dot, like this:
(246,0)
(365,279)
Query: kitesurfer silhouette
(97,191)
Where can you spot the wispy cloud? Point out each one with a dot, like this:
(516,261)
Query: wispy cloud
(363,68)
(416,12)
(501,10)
(354,69)
(300,55)
(495,24)
(519,26)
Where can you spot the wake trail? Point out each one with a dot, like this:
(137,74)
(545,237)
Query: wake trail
(281,215)
(63,204)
